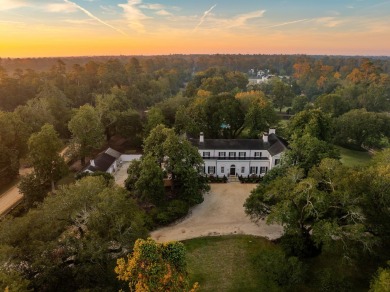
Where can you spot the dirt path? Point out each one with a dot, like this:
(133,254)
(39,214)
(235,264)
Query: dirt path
(221,213)
(12,196)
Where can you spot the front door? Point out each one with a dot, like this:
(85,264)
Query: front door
(233,170)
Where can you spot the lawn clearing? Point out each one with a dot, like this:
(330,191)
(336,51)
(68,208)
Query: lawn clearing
(354,158)
(225,263)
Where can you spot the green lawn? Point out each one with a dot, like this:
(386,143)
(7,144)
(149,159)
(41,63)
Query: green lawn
(226,264)
(354,158)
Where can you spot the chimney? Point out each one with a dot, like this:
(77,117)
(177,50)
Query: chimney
(201,138)
(272,131)
(265,137)
(92,162)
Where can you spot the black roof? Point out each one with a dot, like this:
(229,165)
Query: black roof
(275,145)
(103,161)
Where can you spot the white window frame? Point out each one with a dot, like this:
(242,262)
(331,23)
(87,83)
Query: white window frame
(258,154)
(242,154)
(206,154)
(221,154)
(211,169)
(242,169)
(222,169)
(232,154)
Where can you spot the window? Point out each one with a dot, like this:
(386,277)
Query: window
(257,154)
(232,154)
(254,169)
(211,169)
(242,154)
(222,169)
(277,161)
(263,169)
(221,154)
(206,154)
(242,169)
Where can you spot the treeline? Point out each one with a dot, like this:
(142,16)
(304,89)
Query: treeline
(277,64)
(107,98)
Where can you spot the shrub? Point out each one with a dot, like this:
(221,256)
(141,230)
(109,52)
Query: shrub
(330,280)
(280,270)
(107,176)
(174,210)
(250,179)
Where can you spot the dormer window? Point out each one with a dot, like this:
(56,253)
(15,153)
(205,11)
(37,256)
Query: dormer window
(206,154)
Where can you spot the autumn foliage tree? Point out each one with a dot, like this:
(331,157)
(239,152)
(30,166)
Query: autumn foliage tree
(155,267)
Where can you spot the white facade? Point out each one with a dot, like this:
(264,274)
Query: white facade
(240,162)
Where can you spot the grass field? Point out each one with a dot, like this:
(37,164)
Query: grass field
(227,264)
(354,158)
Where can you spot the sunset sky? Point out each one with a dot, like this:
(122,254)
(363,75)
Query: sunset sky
(32,28)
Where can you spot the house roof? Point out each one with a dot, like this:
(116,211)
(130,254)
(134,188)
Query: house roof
(103,161)
(275,145)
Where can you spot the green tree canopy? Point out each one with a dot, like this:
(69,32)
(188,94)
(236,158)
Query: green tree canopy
(87,131)
(44,153)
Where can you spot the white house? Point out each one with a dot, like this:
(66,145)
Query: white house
(108,161)
(240,157)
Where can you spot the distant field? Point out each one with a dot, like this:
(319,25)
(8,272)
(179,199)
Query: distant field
(354,158)
(226,264)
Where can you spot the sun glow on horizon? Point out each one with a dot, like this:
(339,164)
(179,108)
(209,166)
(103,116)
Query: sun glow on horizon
(74,28)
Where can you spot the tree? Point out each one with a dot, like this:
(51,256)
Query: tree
(33,189)
(44,153)
(154,117)
(87,131)
(333,104)
(150,184)
(73,238)
(155,267)
(59,107)
(381,281)
(361,128)
(313,122)
(281,93)
(13,138)
(180,160)
(319,209)
(307,151)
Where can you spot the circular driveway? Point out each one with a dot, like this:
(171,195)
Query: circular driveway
(221,213)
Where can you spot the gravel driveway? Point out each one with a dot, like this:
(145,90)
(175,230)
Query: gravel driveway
(221,213)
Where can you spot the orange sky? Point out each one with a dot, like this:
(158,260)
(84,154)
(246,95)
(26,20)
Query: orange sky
(69,28)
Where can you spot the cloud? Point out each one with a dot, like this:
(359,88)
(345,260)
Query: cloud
(94,17)
(328,21)
(108,9)
(61,7)
(163,12)
(134,15)
(152,6)
(12,4)
(202,19)
(241,19)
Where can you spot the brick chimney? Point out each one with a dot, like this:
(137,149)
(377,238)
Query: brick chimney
(201,138)
(272,131)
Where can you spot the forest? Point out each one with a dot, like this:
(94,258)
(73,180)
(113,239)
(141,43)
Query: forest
(69,236)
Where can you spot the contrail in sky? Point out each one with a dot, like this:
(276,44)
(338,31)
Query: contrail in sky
(204,16)
(94,17)
(287,23)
